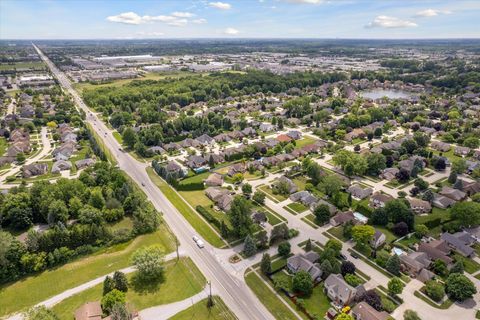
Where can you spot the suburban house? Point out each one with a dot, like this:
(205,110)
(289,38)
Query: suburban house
(80,164)
(34,169)
(414,262)
(236,168)
(378,239)
(283,138)
(440,146)
(452,193)
(157,150)
(205,139)
(420,206)
(471,188)
(196,162)
(259,217)
(338,290)
(462,151)
(291,187)
(295,135)
(89,311)
(305,262)
(214,180)
(358,192)
(460,242)
(342,218)
(436,249)
(221,197)
(442,202)
(61,165)
(364,311)
(378,200)
(389,173)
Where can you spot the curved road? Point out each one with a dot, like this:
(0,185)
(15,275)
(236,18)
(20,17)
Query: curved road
(234,292)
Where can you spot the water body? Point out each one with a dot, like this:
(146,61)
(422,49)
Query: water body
(380,93)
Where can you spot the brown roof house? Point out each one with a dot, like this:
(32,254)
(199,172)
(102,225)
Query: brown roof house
(364,311)
(34,169)
(420,206)
(378,199)
(214,180)
(305,262)
(452,193)
(89,311)
(342,218)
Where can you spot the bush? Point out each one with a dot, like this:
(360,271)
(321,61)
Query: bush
(353,280)
(110,299)
(284,249)
(388,305)
(435,290)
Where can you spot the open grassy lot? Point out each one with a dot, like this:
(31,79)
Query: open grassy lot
(268,298)
(182,280)
(26,292)
(436,213)
(338,233)
(37,65)
(118,83)
(200,311)
(300,182)
(285,276)
(470,265)
(118,137)
(3,146)
(202,227)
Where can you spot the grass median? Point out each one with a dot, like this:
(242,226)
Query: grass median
(200,311)
(29,291)
(202,227)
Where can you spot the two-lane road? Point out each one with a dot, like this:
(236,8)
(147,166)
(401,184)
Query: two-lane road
(232,290)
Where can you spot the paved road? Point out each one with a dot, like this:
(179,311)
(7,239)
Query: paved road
(233,290)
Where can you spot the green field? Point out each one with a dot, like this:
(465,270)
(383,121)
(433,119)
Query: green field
(297,207)
(269,193)
(317,302)
(26,292)
(3,146)
(200,311)
(305,141)
(202,227)
(23,65)
(182,280)
(268,298)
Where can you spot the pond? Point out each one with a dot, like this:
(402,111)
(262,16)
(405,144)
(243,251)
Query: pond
(380,93)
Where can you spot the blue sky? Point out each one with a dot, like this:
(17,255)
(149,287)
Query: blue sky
(122,19)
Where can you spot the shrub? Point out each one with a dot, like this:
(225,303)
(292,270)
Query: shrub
(353,280)
(435,290)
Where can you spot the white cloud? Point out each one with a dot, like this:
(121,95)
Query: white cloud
(431,13)
(150,34)
(176,19)
(199,21)
(307,1)
(220,5)
(390,22)
(182,14)
(127,18)
(231,31)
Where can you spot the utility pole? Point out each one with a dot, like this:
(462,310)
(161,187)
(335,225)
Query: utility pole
(176,244)
(210,299)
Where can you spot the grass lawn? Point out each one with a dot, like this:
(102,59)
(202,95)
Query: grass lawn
(37,65)
(470,265)
(118,137)
(102,146)
(125,223)
(268,298)
(297,207)
(200,311)
(318,302)
(274,197)
(338,233)
(388,234)
(445,305)
(300,182)
(25,293)
(313,220)
(202,227)
(305,141)
(436,213)
(284,275)
(182,280)
(279,263)
(272,218)
(3,146)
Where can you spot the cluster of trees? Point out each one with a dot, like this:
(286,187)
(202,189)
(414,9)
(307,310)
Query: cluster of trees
(397,215)
(77,212)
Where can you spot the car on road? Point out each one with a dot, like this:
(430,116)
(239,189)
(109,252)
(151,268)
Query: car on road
(199,242)
(342,256)
(143,184)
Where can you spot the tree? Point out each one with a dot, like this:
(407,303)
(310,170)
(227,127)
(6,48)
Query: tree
(421,184)
(129,137)
(266,264)
(379,217)
(112,298)
(428,195)
(119,312)
(400,229)
(398,210)
(279,232)
(259,197)
(459,166)
(239,215)
(395,286)
(434,290)
(149,263)
(331,184)
(393,265)
(440,164)
(363,234)
(376,163)
(472,142)
(410,315)
(458,267)
(373,299)
(249,246)
(459,287)
(57,212)
(40,313)
(302,282)
(326,267)
(120,281)
(344,316)
(402,175)
(247,189)
(20,157)
(421,231)
(335,246)
(322,213)
(440,267)
(308,245)
(458,184)
(108,285)
(452,178)
(284,248)
(347,268)
(467,214)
